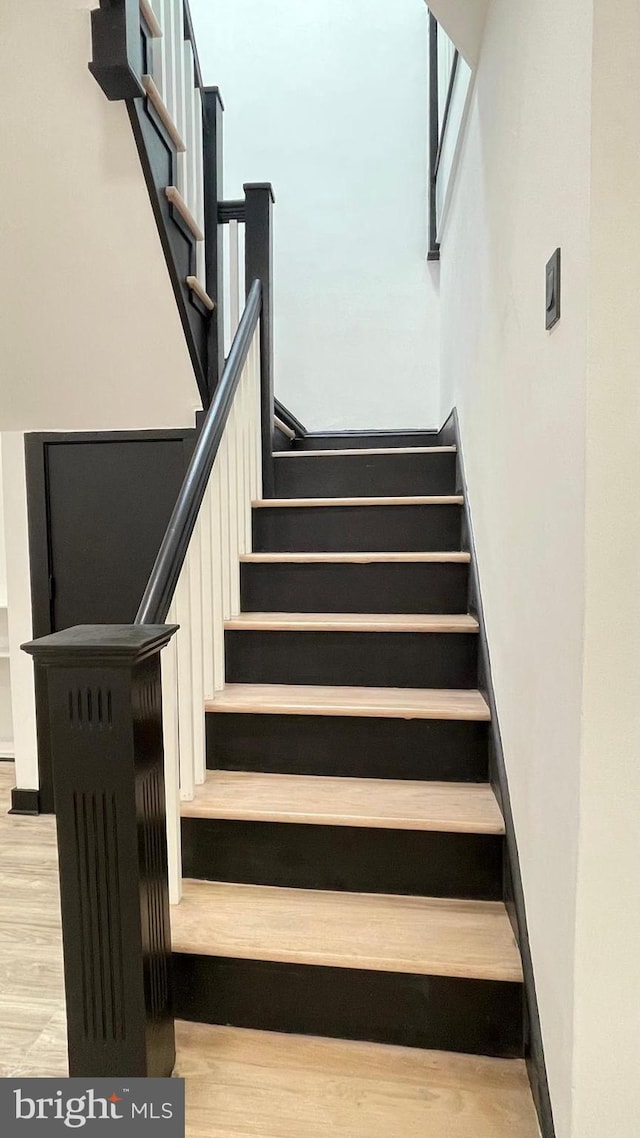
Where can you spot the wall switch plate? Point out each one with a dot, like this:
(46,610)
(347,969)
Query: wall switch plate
(552,290)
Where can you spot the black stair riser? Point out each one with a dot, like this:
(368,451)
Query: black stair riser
(360,659)
(352,746)
(346,440)
(479,1017)
(345,476)
(356,529)
(379,587)
(352,858)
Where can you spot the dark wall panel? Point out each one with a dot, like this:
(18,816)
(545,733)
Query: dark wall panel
(108,504)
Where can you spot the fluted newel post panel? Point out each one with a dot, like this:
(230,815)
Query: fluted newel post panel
(258,265)
(105,730)
(213,109)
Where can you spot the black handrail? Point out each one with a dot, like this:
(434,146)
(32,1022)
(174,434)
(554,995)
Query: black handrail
(173,550)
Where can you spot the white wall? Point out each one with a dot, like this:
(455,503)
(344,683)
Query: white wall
(329,103)
(20,622)
(607,1000)
(463,21)
(90,335)
(522,188)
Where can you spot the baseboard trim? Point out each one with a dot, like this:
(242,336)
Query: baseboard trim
(25,802)
(534,1049)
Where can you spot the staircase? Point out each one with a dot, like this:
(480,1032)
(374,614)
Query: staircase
(343,861)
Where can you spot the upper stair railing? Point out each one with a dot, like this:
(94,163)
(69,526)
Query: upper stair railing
(126,736)
(144,54)
(449,78)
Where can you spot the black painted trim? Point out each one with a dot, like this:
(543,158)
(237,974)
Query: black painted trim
(189,35)
(445,750)
(434,132)
(258,265)
(515,900)
(105,726)
(481,1017)
(288,418)
(356,529)
(375,587)
(212,125)
(360,659)
(194,318)
(25,802)
(231,211)
(340,475)
(116,63)
(356,859)
(447,108)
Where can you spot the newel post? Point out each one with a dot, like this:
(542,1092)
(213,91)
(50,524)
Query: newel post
(258,265)
(117,48)
(105,729)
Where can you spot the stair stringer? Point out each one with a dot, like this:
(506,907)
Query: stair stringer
(514,893)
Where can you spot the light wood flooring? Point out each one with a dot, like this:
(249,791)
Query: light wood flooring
(456,556)
(385,803)
(357,452)
(351,622)
(32,1010)
(405,500)
(384,703)
(243,1083)
(240,1084)
(421,935)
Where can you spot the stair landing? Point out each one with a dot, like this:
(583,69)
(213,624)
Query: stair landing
(259,1084)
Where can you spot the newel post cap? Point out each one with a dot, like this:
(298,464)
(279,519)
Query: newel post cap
(114,644)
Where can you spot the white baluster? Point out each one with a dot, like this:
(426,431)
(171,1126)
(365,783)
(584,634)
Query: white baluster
(199,185)
(181,92)
(197,665)
(157,50)
(189,125)
(207,593)
(223,456)
(170,730)
(171,21)
(185,686)
(234,277)
(258,416)
(232,473)
(257,420)
(217,587)
(247,451)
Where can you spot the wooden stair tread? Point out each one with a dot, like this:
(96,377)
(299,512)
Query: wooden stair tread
(409,500)
(449,807)
(385,703)
(358,451)
(263,1084)
(372,931)
(351,622)
(352,558)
